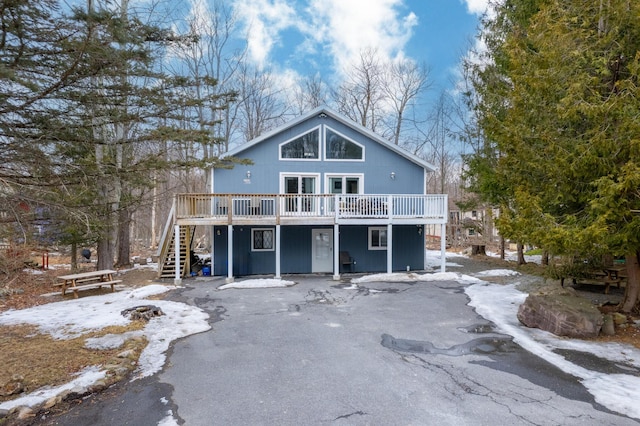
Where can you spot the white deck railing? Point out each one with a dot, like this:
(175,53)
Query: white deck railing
(351,206)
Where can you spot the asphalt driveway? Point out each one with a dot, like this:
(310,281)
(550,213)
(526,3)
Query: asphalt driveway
(325,352)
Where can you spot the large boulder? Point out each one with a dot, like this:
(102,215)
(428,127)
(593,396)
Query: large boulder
(562,312)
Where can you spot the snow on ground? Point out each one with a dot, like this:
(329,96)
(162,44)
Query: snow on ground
(496,303)
(258,283)
(497,273)
(513,256)
(71,318)
(433,259)
(618,392)
(414,277)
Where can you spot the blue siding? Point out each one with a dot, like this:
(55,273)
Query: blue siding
(381,160)
(220,239)
(296,250)
(245,261)
(265,172)
(407,249)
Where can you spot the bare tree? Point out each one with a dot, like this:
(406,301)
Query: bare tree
(404,80)
(310,93)
(360,97)
(261,102)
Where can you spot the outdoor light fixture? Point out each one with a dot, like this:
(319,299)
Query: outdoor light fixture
(248,174)
(392,175)
(247,178)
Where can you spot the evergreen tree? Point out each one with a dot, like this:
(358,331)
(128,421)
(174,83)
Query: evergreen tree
(566,127)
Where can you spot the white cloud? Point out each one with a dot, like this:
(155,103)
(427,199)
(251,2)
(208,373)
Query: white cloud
(345,28)
(263,20)
(477,7)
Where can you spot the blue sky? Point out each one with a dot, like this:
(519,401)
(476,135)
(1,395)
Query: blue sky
(305,37)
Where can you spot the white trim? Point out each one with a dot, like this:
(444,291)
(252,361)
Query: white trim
(273,239)
(370,230)
(325,144)
(277,244)
(443,247)
(336,252)
(328,176)
(283,175)
(389,248)
(320,146)
(229,253)
(341,119)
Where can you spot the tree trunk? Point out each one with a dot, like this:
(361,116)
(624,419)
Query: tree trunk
(521,260)
(545,258)
(124,238)
(501,247)
(105,253)
(632,291)
(74,256)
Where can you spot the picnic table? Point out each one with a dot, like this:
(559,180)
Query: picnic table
(86,280)
(608,275)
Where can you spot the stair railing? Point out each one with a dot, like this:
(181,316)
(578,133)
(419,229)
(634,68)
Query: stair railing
(166,239)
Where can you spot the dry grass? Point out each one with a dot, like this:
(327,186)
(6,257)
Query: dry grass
(43,361)
(38,358)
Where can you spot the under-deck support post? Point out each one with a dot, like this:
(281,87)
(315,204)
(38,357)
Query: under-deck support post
(389,248)
(443,246)
(277,242)
(177,280)
(336,252)
(229,254)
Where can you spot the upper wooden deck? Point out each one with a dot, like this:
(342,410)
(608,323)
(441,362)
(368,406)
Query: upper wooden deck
(292,209)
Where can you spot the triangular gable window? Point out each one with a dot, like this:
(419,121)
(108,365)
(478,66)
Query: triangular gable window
(340,148)
(305,147)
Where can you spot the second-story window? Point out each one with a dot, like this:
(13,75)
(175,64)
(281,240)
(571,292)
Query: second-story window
(344,184)
(338,147)
(305,147)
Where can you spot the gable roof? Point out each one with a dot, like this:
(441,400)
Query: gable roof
(347,122)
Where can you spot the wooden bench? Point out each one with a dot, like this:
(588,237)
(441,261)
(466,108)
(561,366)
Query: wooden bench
(607,276)
(86,280)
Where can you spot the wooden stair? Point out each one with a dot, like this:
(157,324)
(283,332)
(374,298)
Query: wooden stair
(166,256)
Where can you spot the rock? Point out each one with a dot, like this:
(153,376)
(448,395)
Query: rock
(13,386)
(608,329)
(562,312)
(619,318)
(129,353)
(144,312)
(51,402)
(26,413)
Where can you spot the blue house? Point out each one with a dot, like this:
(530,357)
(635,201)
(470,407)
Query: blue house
(322,195)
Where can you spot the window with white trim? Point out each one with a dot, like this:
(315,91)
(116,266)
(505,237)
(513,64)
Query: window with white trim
(304,147)
(377,238)
(344,184)
(338,147)
(262,239)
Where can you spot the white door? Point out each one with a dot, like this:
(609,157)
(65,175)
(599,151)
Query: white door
(322,250)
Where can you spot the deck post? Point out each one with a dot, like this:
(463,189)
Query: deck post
(336,252)
(389,248)
(277,243)
(229,254)
(443,246)
(177,280)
